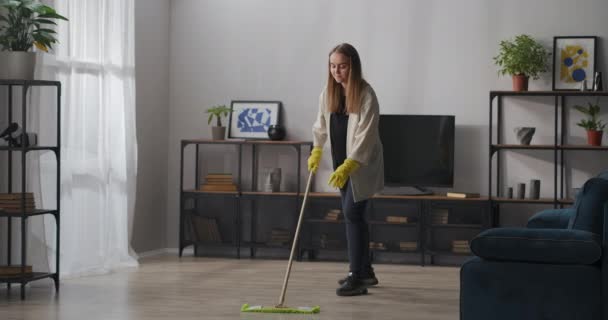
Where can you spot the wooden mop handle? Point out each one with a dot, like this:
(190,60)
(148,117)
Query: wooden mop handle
(295,243)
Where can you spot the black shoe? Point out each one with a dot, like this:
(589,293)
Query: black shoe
(367,280)
(351,287)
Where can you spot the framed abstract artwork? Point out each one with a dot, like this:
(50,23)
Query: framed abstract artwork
(573,61)
(251,119)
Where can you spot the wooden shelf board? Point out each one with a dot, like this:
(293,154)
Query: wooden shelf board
(537,201)
(243,141)
(263,193)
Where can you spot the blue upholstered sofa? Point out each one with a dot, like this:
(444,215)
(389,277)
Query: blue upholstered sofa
(555,268)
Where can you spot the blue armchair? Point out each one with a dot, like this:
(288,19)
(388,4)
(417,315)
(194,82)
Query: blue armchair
(555,268)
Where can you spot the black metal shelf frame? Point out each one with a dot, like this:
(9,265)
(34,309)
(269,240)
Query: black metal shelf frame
(558,147)
(422,226)
(23,278)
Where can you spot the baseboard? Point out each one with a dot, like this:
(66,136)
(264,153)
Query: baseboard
(159,252)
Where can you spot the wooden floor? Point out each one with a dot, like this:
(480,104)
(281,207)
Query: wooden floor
(167,287)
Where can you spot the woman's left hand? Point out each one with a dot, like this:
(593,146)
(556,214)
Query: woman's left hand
(340,176)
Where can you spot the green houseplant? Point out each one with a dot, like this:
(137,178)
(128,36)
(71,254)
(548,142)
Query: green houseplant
(593,125)
(23,25)
(218,132)
(522,58)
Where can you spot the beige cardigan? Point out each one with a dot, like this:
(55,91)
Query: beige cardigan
(362,143)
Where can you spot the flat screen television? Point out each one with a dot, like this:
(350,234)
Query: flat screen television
(418,151)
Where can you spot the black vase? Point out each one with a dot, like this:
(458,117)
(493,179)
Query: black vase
(276,132)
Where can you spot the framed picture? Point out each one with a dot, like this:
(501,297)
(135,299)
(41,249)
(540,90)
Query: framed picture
(251,119)
(573,62)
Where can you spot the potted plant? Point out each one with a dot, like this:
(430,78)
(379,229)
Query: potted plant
(218,132)
(522,58)
(594,126)
(23,25)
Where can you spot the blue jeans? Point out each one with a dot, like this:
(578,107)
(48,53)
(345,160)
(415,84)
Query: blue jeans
(357,232)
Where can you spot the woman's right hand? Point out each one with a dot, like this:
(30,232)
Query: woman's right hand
(314,159)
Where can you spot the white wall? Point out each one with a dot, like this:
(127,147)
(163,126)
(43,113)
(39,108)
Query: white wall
(152,86)
(422,57)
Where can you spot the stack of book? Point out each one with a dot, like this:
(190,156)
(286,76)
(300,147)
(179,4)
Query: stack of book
(333,215)
(11,202)
(439,216)
(279,237)
(408,245)
(461,246)
(377,245)
(396,219)
(462,195)
(14,271)
(218,182)
(207,229)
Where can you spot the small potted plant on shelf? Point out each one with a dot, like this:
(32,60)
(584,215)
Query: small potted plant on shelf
(594,126)
(218,132)
(522,58)
(24,24)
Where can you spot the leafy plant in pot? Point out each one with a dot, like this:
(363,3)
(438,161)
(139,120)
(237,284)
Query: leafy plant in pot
(594,126)
(24,24)
(218,132)
(522,58)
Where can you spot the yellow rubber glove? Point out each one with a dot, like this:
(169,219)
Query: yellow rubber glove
(314,159)
(339,177)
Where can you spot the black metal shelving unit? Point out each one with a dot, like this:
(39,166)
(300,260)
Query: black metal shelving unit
(422,226)
(23,214)
(558,147)
(238,196)
(418,207)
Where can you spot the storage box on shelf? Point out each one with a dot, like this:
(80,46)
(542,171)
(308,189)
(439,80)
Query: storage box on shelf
(16,201)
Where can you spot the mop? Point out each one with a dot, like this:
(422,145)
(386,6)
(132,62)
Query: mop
(281,308)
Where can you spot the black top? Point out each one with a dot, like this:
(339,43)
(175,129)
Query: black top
(337,134)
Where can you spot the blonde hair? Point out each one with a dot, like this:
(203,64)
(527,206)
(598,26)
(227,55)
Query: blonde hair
(355,83)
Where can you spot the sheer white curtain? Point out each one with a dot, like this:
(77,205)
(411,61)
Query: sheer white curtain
(95,63)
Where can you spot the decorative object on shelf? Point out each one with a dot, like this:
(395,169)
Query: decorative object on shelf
(509,193)
(252,119)
(573,61)
(26,23)
(15,137)
(218,132)
(597,82)
(522,58)
(521,191)
(524,134)
(534,189)
(594,126)
(276,132)
(273,180)
(584,85)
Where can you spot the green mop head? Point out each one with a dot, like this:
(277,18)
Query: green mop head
(247,308)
